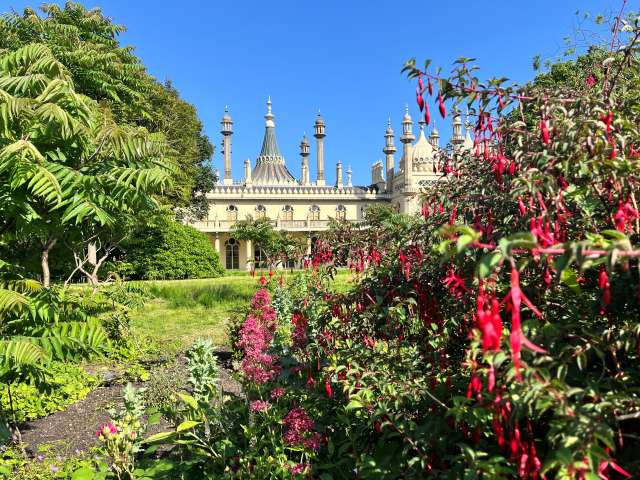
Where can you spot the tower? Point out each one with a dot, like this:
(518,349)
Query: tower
(349,182)
(407,138)
(457,139)
(389,150)
(434,138)
(319,134)
(227,131)
(339,174)
(304,154)
(247,172)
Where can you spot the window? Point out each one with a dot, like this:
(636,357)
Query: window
(341,212)
(260,260)
(314,212)
(287,212)
(232,254)
(232,213)
(261,211)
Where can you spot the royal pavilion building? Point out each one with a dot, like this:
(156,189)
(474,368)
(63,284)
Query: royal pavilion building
(304,206)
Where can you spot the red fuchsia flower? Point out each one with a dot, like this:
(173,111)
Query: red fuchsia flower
(607,120)
(605,286)
(604,466)
(625,215)
(259,406)
(474,387)
(443,110)
(489,321)
(521,207)
(455,284)
(419,99)
(590,81)
(427,115)
(430,87)
(544,132)
(327,389)
(277,393)
(263,280)
(517,339)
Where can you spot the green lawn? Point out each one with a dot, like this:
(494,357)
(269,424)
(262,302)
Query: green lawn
(183,310)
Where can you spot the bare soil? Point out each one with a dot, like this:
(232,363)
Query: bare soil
(73,430)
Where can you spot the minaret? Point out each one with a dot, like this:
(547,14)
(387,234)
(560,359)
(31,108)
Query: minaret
(389,150)
(434,138)
(339,174)
(247,172)
(457,138)
(319,134)
(304,153)
(407,138)
(227,131)
(349,183)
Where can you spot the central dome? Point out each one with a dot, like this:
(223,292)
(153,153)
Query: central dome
(423,151)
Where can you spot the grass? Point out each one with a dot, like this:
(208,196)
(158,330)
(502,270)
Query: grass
(183,310)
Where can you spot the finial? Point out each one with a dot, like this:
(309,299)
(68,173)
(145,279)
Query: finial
(406,108)
(422,123)
(226,109)
(269,105)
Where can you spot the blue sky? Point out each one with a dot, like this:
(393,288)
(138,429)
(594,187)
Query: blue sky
(342,57)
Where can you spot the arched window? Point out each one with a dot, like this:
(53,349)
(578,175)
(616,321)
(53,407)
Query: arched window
(232,254)
(314,212)
(287,212)
(232,213)
(341,212)
(261,211)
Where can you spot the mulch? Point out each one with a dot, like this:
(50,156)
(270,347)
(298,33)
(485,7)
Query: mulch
(73,430)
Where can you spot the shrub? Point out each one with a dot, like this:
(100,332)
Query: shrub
(170,250)
(68,384)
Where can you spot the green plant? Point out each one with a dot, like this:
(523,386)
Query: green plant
(66,385)
(46,465)
(162,386)
(202,365)
(170,250)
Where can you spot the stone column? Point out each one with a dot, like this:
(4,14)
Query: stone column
(249,244)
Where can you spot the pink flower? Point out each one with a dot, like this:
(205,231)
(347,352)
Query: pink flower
(298,426)
(107,429)
(298,468)
(259,406)
(277,393)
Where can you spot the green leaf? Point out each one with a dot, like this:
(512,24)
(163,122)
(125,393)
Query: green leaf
(488,263)
(189,400)
(159,437)
(186,425)
(570,279)
(85,473)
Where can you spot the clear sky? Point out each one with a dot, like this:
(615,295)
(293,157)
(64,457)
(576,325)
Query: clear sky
(342,57)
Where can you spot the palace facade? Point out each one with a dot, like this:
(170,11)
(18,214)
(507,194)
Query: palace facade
(305,206)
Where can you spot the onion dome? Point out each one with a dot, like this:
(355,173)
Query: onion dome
(422,150)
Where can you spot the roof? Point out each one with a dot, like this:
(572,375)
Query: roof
(270,167)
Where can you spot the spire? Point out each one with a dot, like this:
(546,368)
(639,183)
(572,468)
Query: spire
(270,168)
(349,183)
(269,116)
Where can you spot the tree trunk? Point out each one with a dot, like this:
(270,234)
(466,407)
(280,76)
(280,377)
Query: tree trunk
(44,261)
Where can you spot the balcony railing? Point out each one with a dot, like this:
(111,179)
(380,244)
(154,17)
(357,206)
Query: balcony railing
(227,225)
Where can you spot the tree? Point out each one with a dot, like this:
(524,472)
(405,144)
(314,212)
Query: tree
(63,156)
(166,249)
(277,247)
(86,43)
